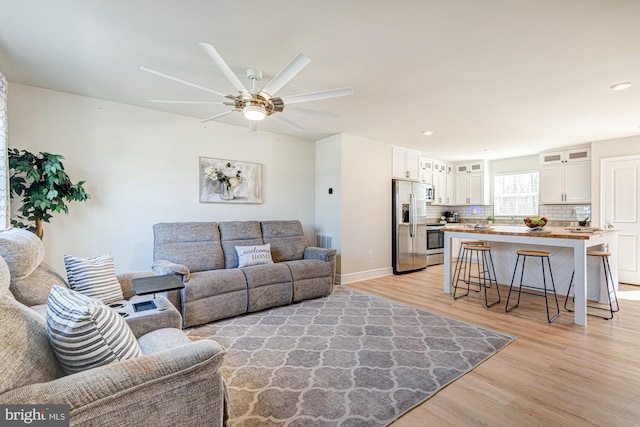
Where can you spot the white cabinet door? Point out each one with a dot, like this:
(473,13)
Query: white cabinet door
(551,184)
(577,182)
(399,171)
(462,189)
(440,188)
(450,185)
(476,189)
(412,163)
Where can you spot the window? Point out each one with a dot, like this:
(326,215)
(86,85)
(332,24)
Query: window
(516,194)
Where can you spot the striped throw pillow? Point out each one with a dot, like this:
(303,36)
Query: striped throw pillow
(94,277)
(84,333)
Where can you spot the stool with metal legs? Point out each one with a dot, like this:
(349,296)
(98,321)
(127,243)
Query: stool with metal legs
(542,255)
(608,278)
(461,263)
(486,277)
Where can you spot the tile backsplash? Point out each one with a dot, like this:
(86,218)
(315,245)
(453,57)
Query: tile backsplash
(479,213)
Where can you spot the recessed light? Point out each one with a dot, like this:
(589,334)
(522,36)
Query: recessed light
(427,132)
(487,150)
(621,86)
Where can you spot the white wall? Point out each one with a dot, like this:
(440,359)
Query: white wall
(141,168)
(366,208)
(606,149)
(359,211)
(329,206)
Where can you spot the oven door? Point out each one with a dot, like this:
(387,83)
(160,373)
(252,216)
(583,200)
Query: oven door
(435,240)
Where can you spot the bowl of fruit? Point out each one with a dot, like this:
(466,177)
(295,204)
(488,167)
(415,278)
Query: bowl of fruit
(535,223)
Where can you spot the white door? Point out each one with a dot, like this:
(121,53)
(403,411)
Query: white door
(619,210)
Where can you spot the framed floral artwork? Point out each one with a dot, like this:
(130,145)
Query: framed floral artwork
(230,181)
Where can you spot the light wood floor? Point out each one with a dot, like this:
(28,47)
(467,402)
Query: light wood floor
(557,374)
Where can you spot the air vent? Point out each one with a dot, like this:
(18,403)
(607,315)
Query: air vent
(324,240)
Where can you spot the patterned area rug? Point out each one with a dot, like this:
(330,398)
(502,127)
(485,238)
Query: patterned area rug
(350,359)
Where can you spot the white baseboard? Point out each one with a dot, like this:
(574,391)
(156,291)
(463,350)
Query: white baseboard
(343,279)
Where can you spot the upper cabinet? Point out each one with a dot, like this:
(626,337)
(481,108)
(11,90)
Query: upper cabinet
(565,176)
(406,163)
(471,183)
(565,156)
(426,170)
(440,183)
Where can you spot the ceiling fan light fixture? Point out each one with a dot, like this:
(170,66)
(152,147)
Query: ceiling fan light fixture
(254,112)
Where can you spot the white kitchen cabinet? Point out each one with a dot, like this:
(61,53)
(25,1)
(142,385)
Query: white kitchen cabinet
(450,191)
(573,155)
(406,163)
(470,182)
(439,183)
(470,167)
(568,183)
(426,170)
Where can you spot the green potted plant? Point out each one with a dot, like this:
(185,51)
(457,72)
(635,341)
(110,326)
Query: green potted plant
(490,219)
(43,187)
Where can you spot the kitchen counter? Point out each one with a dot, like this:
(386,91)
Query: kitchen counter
(568,247)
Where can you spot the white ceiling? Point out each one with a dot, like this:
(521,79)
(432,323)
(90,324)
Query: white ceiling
(513,76)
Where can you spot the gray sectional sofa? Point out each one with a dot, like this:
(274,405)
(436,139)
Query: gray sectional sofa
(204,255)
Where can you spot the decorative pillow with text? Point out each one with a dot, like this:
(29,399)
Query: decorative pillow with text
(254,255)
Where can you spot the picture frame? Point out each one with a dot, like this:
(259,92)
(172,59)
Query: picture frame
(229,181)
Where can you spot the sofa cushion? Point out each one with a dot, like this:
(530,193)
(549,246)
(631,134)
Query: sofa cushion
(269,285)
(286,238)
(25,354)
(22,251)
(84,333)
(193,244)
(238,233)
(254,255)
(94,277)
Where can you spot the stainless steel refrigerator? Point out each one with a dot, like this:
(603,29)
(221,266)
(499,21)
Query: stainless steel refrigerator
(409,201)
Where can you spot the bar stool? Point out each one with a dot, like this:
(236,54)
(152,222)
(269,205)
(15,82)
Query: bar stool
(460,261)
(486,277)
(608,278)
(542,255)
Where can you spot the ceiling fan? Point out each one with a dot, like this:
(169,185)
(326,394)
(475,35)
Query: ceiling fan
(255,104)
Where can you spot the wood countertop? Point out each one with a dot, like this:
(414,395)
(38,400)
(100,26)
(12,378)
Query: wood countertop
(579,233)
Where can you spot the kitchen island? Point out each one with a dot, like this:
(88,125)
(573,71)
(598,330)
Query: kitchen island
(569,253)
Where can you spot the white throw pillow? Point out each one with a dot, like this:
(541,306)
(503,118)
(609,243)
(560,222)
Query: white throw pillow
(94,277)
(84,333)
(254,255)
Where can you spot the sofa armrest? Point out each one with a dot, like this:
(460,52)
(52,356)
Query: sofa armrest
(182,385)
(322,254)
(143,322)
(125,281)
(163,267)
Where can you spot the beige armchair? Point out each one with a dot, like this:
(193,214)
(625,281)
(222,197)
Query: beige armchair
(176,381)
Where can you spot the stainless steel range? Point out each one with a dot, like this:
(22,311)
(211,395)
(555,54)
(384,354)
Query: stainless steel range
(435,244)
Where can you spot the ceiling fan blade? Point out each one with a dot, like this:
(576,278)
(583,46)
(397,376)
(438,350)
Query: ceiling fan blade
(287,122)
(314,112)
(168,101)
(286,74)
(222,66)
(253,126)
(317,96)
(217,116)
(184,82)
